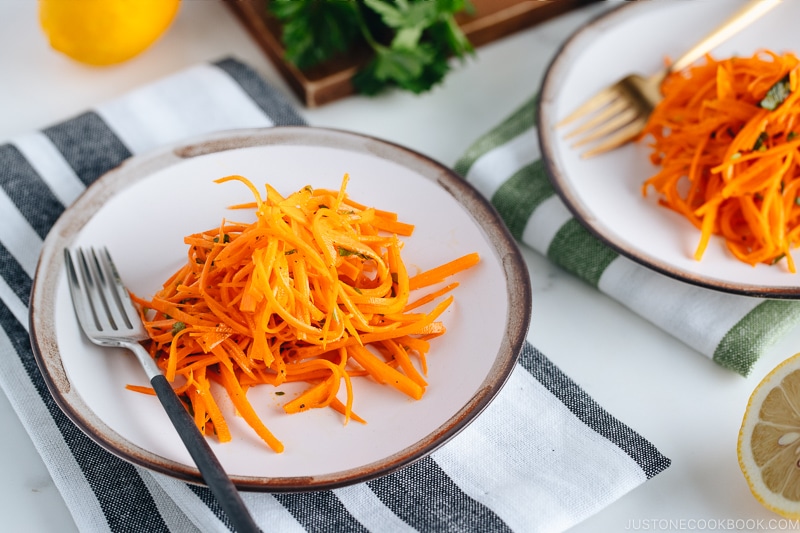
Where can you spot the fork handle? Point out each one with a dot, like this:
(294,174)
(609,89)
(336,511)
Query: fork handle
(208,464)
(210,468)
(749,12)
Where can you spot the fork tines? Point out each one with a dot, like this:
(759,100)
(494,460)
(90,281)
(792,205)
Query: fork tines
(101,300)
(612,117)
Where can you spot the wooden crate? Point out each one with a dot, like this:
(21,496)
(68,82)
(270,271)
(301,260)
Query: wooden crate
(491,20)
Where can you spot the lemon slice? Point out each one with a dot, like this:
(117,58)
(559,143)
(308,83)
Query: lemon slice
(769,440)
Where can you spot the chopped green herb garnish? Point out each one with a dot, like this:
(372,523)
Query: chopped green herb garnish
(177,327)
(777,94)
(760,144)
(344,252)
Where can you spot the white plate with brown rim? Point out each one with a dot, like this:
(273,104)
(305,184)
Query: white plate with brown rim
(604,192)
(142,210)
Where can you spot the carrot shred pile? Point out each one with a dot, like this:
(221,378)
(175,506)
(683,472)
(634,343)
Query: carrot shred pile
(726,139)
(314,291)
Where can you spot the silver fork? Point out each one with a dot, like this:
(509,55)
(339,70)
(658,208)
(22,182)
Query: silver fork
(618,113)
(108,318)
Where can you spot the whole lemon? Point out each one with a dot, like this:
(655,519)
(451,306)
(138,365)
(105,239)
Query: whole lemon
(105,32)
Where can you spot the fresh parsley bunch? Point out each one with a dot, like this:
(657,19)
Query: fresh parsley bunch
(412,40)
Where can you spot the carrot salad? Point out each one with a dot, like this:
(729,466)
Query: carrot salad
(314,291)
(726,139)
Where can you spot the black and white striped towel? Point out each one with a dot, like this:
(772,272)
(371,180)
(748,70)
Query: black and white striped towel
(557,456)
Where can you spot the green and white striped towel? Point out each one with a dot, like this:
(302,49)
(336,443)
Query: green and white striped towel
(506,166)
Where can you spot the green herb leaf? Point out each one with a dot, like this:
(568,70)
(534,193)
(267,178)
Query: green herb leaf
(401,65)
(401,14)
(411,40)
(415,70)
(316,30)
(447,31)
(177,327)
(344,252)
(760,144)
(407,38)
(776,94)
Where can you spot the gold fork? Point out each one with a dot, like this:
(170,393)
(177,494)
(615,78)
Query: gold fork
(618,113)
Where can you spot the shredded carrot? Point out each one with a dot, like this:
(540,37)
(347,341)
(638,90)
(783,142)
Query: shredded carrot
(727,145)
(438,274)
(314,291)
(144,390)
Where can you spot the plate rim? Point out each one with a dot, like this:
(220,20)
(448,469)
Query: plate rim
(75,217)
(561,186)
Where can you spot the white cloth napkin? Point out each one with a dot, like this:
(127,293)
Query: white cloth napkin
(542,457)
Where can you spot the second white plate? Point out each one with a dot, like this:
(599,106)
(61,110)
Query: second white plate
(604,192)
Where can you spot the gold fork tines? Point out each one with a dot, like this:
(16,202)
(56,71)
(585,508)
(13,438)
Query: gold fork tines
(619,113)
(602,99)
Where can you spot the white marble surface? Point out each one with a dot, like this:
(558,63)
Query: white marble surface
(679,400)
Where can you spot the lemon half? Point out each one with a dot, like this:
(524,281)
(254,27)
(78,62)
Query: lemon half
(105,32)
(769,440)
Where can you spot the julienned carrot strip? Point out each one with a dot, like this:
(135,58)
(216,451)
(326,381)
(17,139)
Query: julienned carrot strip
(243,407)
(143,390)
(399,353)
(424,326)
(214,414)
(314,291)
(439,273)
(726,138)
(384,373)
(339,407)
